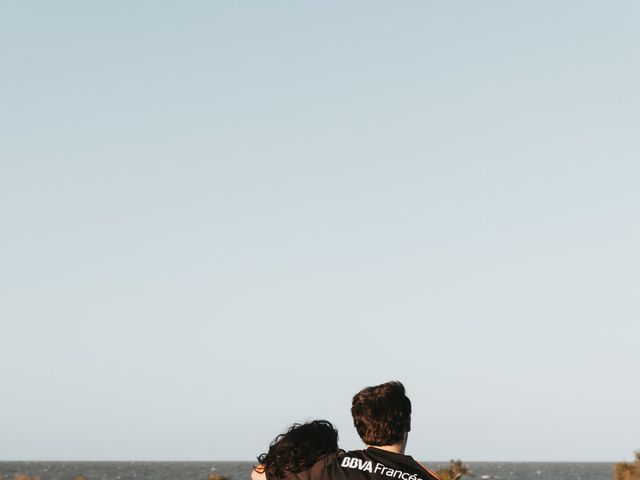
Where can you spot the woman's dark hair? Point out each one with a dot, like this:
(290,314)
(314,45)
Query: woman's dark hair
(298,448)
(382,414)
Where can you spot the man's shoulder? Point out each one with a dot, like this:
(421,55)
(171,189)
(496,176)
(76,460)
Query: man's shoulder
(352,453)
(374,464)
(378,463)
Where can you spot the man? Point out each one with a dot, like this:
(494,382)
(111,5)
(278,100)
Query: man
(382,417)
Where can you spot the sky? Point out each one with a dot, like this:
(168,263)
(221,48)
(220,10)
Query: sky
(220,218)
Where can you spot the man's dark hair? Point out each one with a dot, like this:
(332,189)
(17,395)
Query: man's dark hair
(298,448)
(382,414)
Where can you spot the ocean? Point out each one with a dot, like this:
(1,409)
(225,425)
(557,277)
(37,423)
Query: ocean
(241,470)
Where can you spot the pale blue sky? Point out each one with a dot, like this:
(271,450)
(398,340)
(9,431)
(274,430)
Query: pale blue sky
(219,218)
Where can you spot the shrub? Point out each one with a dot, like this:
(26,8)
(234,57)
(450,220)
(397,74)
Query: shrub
(627,471)
(454,471)
(215,476)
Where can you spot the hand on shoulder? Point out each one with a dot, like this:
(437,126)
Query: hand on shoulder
(255,475)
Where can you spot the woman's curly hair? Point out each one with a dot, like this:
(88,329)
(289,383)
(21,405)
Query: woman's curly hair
(298,448)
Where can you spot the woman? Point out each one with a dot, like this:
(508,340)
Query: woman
(297,450)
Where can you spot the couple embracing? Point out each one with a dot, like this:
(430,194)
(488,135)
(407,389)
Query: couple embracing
(382,417)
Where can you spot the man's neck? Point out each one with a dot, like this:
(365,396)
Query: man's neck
(395,448)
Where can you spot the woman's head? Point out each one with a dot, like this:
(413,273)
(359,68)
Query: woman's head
(299,448)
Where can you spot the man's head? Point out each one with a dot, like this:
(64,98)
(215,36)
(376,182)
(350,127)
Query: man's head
(382,414)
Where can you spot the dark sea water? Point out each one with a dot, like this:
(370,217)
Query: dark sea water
(241,470)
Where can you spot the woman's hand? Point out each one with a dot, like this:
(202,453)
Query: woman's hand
(255,475)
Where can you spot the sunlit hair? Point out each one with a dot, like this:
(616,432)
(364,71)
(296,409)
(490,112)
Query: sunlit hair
(382,414)
(298,448)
